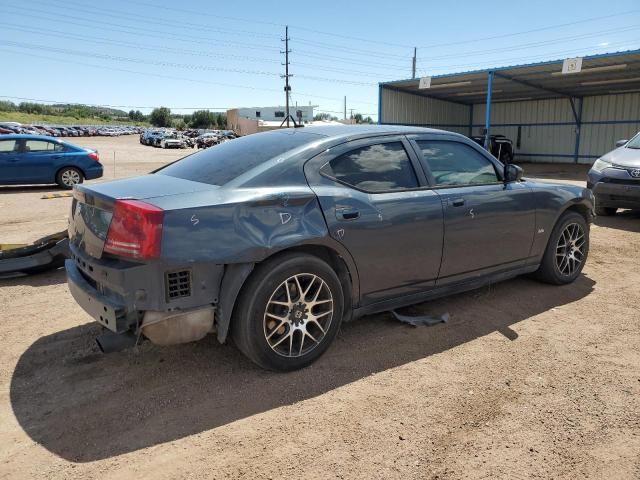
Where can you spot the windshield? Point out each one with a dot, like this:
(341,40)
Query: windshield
(634,142)
(222,163)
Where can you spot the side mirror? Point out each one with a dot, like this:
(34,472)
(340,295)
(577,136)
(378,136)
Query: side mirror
(512,173)
(620,143)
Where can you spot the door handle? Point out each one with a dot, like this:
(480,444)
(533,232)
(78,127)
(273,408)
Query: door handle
(57,157)
(457,202)
(347,213)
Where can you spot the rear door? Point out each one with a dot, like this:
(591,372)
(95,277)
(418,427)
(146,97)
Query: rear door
(39,161)
(488,225)
(376,203)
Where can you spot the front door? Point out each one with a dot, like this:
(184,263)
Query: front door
(9,167)
(489,225)
(376,203)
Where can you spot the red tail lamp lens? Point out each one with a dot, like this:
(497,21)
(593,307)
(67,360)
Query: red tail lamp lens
(135,230)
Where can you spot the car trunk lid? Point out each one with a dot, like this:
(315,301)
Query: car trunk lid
(92,205)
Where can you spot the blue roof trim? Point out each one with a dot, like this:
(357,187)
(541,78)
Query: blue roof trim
(522,65)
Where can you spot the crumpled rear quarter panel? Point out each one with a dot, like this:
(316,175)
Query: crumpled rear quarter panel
(239,226)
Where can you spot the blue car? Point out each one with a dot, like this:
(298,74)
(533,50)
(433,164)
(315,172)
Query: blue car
(31,159)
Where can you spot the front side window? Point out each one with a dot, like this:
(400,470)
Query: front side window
(454,163)
(36,146)
(7,146)
(376,168)
(279,114)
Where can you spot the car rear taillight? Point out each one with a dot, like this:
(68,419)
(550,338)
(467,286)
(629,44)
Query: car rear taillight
(135,230)
(94,156)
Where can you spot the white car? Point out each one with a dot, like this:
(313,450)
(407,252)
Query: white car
(172,141)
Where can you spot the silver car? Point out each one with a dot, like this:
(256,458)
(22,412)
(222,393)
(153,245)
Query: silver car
(615,178)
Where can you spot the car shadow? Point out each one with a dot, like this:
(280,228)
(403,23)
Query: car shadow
(628,220)
(86,406)
(41,279)
(31,189)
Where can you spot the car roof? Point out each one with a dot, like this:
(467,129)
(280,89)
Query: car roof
(353,132)
(26,136)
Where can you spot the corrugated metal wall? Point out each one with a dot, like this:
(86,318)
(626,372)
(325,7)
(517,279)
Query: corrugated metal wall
(408,109)
(538,142)
(542,130)
(599,138)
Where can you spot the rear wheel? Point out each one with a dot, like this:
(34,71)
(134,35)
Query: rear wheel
(566,251)
(288,313)
(67,177)
(606,211)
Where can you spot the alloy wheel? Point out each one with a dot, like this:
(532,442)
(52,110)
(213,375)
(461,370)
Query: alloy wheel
(570,249)
(70,178)
(298,315)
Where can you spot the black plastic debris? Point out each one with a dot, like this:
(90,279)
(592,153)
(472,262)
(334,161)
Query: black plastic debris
(44,254)
(421,320)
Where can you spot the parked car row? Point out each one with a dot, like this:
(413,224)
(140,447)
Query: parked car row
(8,128)
(166,139)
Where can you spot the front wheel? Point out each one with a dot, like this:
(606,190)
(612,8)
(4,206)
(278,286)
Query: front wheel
(566,251)
(288,312)
(68,177)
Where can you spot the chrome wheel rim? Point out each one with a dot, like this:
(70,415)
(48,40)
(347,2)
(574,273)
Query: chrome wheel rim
(298,315)
(70,177)
(570,249)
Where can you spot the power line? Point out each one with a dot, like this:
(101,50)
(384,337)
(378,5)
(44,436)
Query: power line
(159,48)
(535,44)
(172,77)
(155,20)
(137,30)
(529,59)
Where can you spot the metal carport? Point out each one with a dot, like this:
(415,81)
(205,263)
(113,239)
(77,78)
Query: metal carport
(551,116)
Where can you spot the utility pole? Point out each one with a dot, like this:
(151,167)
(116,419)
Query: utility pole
(413,70)
(287,87)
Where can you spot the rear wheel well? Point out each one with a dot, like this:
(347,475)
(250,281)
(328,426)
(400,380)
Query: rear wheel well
(335,261)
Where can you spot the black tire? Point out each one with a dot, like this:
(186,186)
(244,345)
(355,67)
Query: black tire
(606,211)
(549,271)
(67,177)
(249,322)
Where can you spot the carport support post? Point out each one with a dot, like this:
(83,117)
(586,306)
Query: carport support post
(487,116)
(576,151)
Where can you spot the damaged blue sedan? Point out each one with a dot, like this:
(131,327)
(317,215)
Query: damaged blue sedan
(275,239)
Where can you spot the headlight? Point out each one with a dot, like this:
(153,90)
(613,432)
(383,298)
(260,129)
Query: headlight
(599,165)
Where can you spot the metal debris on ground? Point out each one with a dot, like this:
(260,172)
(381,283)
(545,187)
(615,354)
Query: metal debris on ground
(419,320)
(49,196)
(43,254)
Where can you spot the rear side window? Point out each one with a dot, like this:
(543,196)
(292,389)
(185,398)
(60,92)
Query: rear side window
(454,163)
(35,146)
(7,146)
(376,168)
(222,163)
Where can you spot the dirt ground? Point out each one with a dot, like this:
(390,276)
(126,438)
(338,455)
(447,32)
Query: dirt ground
(525,381)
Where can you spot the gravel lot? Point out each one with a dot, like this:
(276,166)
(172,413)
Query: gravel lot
(527,380)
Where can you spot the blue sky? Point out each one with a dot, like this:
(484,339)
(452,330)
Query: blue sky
(199,54)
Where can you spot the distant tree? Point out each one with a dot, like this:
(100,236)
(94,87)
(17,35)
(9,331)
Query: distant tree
(221,120)
(160,117)
(180,124)
(358,117)
(6,106)
(323,117)
(203,119)
(132,114)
